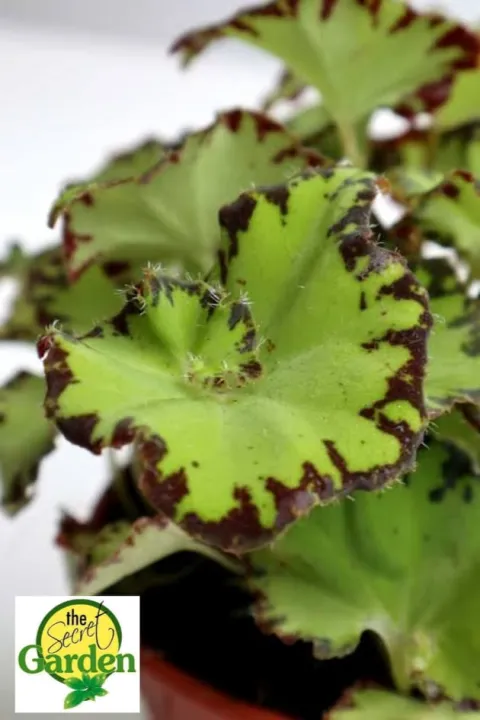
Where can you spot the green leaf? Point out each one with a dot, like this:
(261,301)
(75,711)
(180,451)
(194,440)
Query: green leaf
(462,106)
(100,692)
(450,215)
(148,541)
(288,87)
(169,214)
(96,682)
(453,370)
(26,437)
(416,161)
(75,698)
(342,47)
(382,705)
(462,428)
(46,296)
(403,563)
(220,383)
(132,163)
(76,683)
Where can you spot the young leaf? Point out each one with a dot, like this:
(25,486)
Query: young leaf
(220,386)
(453,370)
(462,106)
(382,705)
(461,427)
(148,541)
(402,563)
(26,437)
(46,296)
(169,214)
(342,47)
(450,215)
(75,698)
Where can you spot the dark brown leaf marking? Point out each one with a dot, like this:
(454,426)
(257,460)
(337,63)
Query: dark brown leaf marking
(162,491)
(456,472)
(132,308)
(239,312)
(235,218)
(363,301)
(15,490)
(311,157)
(114,268)
(79,429)
(57,373)
(252,369)
(278,195)
(123,433)
(434,94)
(292,503)
(431,95)
(327,8)
(408,18)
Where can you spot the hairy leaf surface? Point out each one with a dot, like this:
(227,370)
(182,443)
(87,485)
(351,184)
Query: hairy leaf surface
(295,375)
(25,438)
(403,563)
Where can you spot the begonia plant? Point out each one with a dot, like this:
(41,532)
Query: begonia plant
(296,376)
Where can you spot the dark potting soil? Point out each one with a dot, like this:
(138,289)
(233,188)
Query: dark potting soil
(202,623)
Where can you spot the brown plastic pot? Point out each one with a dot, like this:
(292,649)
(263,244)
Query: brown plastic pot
(171,694)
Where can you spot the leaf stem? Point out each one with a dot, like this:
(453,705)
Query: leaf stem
(350,143)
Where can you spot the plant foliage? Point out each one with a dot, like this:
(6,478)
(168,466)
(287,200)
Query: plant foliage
(297,378)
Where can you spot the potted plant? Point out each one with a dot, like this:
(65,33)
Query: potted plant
(295,375)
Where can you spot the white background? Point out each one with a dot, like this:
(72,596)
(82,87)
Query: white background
(79,80)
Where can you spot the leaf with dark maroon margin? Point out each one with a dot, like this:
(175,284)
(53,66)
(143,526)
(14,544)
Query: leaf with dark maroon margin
(45,295)
(26,437)
(349,50)
(403,563)
(118,553)
(130,163)
(169,213)
(416,161)
(462,107)
(287,87)
(370,704)
(450,215)
(461,427)
(294,376)
(453,368)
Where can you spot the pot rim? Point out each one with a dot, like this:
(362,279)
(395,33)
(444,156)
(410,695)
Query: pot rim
(178,683)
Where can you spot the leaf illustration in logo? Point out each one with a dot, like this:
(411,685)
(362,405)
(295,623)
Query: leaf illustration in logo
(75,683)
(96,681)
(75,698)
(88,687)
